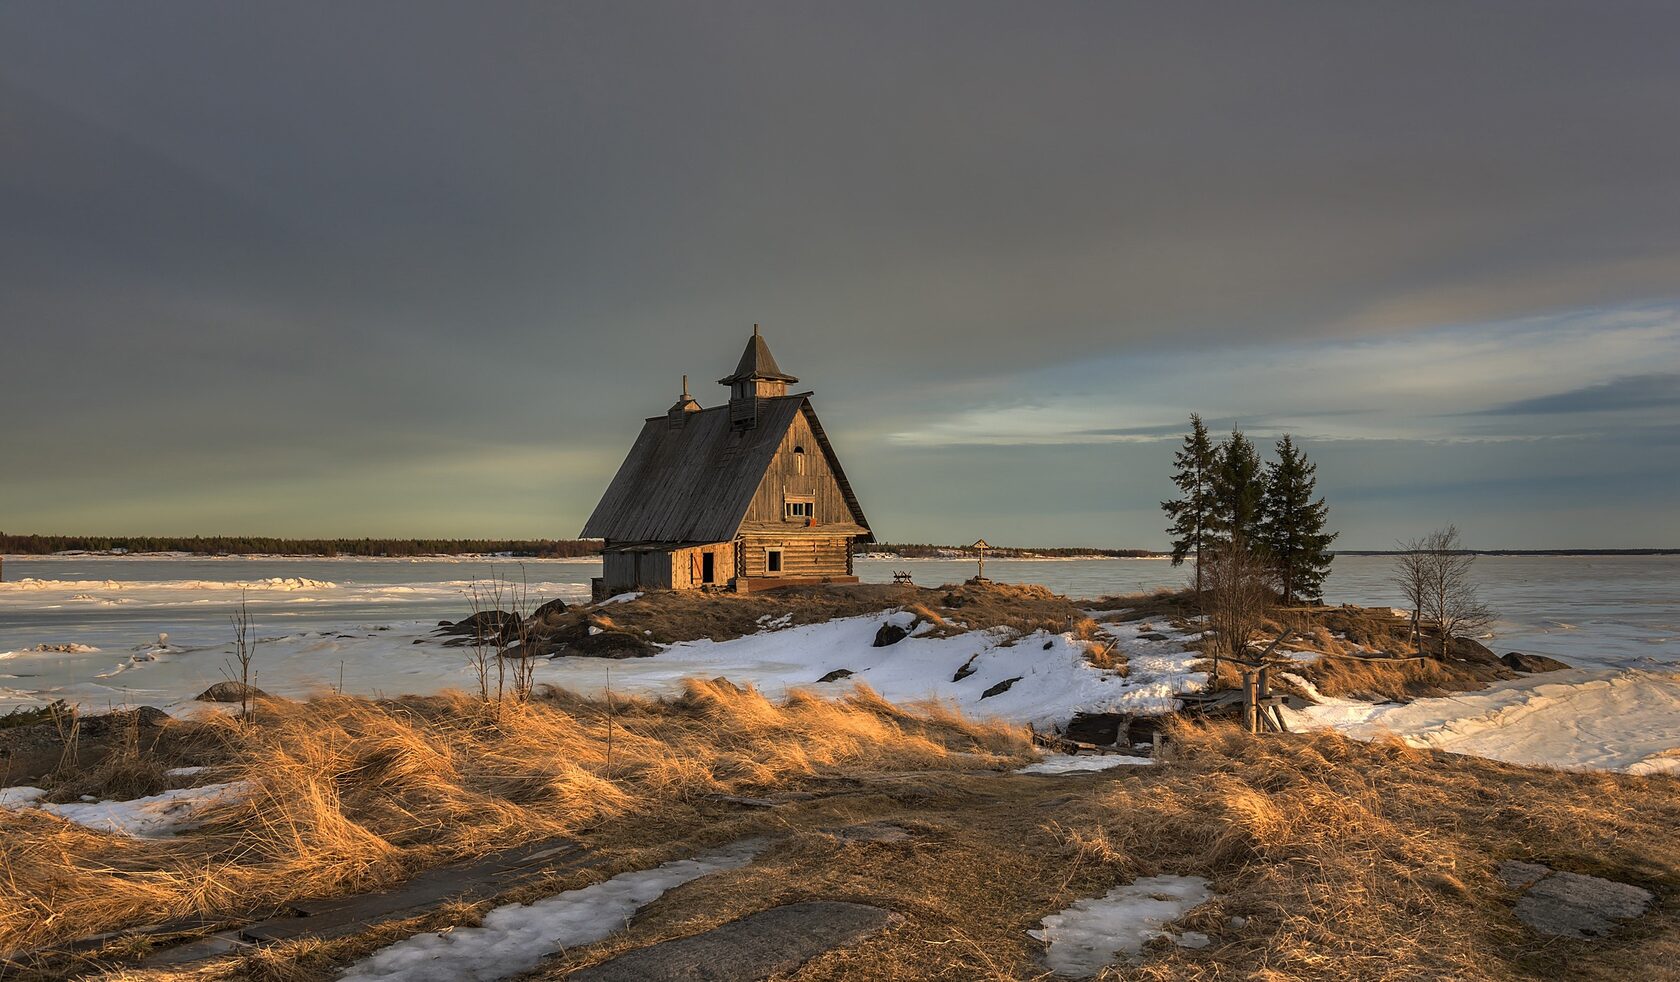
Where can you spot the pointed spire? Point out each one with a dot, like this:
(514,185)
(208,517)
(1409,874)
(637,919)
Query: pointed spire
(757,364)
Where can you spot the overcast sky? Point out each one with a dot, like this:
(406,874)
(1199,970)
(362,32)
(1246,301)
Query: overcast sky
(417,269)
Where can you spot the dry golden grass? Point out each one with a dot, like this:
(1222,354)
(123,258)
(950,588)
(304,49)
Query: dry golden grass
(352,794)
(1347,860)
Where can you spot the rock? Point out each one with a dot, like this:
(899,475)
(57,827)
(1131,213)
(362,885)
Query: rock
(965,670)
(487,626)
(1048,645)
(889,634)
(1000,688)
(1153,636)
(230,691)
(1571,905)
(607,644)
(1531,663)
(549,610)
(770,943)
(836,675)
(1468,650)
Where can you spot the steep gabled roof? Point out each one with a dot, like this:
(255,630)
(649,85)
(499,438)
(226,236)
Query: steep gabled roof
(694,482)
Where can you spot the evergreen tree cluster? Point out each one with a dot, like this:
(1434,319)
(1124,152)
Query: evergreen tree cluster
(1229,498)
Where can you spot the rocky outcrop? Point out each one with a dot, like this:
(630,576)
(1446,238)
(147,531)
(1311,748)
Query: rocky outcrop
(230,691)
(1531,663)
(1570,905)
(889,634)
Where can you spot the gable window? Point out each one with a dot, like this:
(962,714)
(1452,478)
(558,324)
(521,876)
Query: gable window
(773,560)
(799,461)
(799,509)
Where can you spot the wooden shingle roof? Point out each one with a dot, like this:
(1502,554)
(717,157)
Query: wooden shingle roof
(694,482)
(757,363)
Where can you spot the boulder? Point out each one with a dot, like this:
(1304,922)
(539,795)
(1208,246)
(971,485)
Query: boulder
(1000,688)
(965,670)
(487,625)
(836,675)
(889,634)
(550,611)
(1571,905)
(1531,663)
(230,691)
(605,644)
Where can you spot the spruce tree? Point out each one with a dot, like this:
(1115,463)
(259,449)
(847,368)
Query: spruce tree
(1192,514)
(1238,492)
(1292,524)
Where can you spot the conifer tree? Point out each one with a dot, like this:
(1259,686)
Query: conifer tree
(1238,492)
(1292,524)
(1192,514)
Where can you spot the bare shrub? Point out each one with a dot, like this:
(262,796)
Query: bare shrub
(237,667)
(1449,597)
(1240,593)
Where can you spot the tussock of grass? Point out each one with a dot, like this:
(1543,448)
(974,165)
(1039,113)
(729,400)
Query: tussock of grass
(1396,680)
(1363,860)
(353,794)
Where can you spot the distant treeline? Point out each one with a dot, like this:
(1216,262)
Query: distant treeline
(256,545)
(926,551)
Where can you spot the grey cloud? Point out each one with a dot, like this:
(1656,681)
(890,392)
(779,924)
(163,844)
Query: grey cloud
(349,236)
(1634,392)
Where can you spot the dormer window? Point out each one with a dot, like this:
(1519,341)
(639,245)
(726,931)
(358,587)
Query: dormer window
(799,508)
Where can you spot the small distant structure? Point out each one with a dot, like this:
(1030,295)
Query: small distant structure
(980,546)
(745,496)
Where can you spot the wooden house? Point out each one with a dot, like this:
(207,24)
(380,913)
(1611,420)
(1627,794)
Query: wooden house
(746,495)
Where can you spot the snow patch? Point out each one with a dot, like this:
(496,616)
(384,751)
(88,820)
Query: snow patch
(150,817)
(1580,719)
(1097,932)
(1080,763)
(515,938)
(622,598)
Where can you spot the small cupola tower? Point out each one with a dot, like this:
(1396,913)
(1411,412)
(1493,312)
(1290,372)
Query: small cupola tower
(685,404)
(756,377)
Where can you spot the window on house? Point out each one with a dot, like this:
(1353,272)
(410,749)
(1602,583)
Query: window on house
(800,509)
(799,461)
(773,560)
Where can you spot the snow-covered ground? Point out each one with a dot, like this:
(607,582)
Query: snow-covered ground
(1626,720)
(87,629)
